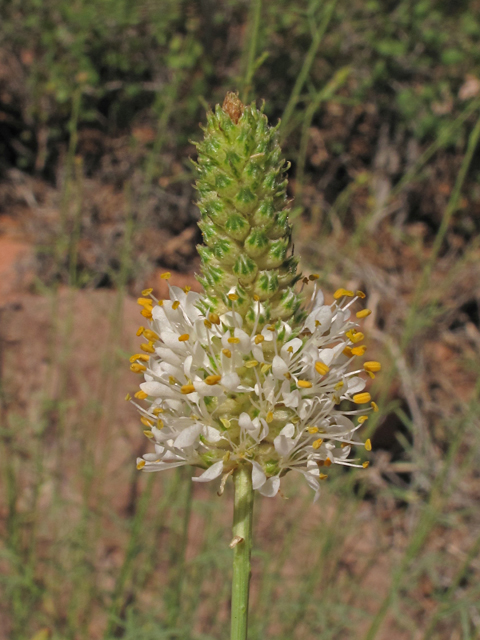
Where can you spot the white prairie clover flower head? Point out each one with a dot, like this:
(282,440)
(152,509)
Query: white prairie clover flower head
(243,374)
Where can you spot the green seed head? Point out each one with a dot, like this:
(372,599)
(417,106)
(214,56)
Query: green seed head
(244,215)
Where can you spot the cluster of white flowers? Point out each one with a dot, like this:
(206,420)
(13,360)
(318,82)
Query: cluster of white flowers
(219,393)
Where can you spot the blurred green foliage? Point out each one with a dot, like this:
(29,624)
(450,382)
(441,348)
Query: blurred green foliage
(130,58)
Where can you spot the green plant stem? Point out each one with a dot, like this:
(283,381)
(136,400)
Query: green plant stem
(242,535)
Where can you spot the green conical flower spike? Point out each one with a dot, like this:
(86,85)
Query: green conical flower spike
(244,215)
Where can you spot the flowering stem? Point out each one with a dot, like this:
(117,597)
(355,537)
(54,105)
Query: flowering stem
(242,535)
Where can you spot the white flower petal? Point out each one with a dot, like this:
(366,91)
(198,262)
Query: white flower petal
(167,355)
(162,466)
(283,446)
(158,390)
(355,385)
(212,434)
(211,473)
(291,347)
(230,381)
(245,422)
(188,436)
(271,487)
(203,389)
(279,368)
(288,430)
(258,476)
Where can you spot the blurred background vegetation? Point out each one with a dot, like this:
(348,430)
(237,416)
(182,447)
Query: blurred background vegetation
(379,102)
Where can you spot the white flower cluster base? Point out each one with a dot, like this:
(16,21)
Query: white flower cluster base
(219,394)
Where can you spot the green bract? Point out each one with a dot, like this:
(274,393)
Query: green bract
(244,216)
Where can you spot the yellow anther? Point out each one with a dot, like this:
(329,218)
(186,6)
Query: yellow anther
(214,318)
(140,330)
(140,464)
(259,338)
(128,397)
(290,349)
(317,444)
(159,424)
(147,347)
(146,421)
(312,429)
(256,297)
(313,276)
(355,336)
(187,388)
(372,365)
(322,476)
(184,337)
(148,433)
(151,335)
(175,305)
(328,462)
(371,375)
(207,323)
(362,419)
(147,292)
(146,313)
(160,303)
(269,417)
(251,363)
(271,327)
(166,276)
(158,410)
(344,444)
(265,367)
(137,368)
(361,295)
(233,297)
(365,464)
(321,368)
(227,353)
(141,395)
(368,445)
(144,302)
(340,384)
(359,351)
(304,384)
(172,380)
(226,422)
(187,288)
(139,356)
(233,340)
(211,380)
(288,375)
(361,398)
(363,313)
(340,293)
(374,406)
(347,352)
